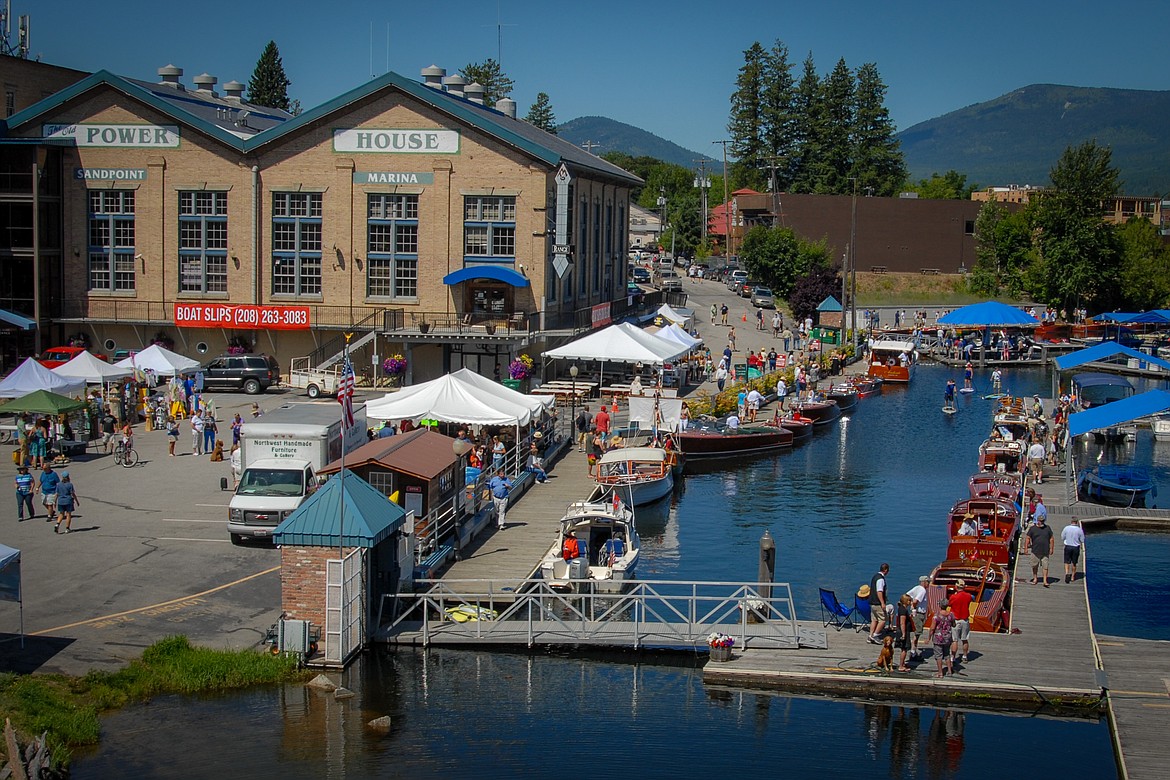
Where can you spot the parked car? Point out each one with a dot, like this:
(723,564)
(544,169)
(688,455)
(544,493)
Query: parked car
(737,277)
(762,298)
(746,288)
(640,275)
(670,281)
(251,373)
(632,288)
(59,356)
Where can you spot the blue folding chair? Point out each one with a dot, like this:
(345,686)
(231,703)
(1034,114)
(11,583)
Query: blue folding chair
(861,607)
(833,612)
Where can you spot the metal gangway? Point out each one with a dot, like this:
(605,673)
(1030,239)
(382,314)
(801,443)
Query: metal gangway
(668,614)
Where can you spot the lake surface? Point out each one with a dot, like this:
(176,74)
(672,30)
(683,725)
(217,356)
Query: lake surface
(874,488)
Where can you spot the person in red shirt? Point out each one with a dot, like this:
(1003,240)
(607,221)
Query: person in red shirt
(601,422)
(960,602)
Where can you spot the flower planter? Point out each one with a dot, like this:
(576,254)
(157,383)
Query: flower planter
(424,327)
(721,654)
(490,328)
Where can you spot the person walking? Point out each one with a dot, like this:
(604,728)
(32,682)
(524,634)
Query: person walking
(500,485)
(940,637)
(109,427)
(172,435)
(67,501)
(723,314)
(1074,539)
(584,421)
(24,493)
(759,319)
(878,604)
(714,313)
(1040,542)
(196,434)
(960,603)
(731,338)
(918,606)
(238,425)
(47,485)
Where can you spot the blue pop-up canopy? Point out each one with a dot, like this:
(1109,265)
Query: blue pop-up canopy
(1104,351)
(1118,412)
(988,314)
(10,581)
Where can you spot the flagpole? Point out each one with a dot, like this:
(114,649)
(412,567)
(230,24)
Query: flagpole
(348,389)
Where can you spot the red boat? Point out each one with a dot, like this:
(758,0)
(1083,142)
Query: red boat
(703,441)
(986,582)
(820,412)
(996,524)
(866,386)
(1002,457)
(994,485)
(844,395)
(800,427)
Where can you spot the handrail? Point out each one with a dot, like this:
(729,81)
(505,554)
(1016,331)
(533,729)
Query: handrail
(337,344)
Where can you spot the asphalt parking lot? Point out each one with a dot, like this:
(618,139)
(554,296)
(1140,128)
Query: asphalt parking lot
(149,556)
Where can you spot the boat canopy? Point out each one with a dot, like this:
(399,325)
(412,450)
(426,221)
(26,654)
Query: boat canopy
(1118,412)
(621,454)
(1104,351)
(889,345)
(988,314)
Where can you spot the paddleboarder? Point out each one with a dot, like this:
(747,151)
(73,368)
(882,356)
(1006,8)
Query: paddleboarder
(997,381)
(968,375)
(949,395)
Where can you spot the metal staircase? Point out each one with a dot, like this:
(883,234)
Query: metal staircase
(333,350)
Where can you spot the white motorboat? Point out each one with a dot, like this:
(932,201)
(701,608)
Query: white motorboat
(596,548)
(640,475)
(1161,426)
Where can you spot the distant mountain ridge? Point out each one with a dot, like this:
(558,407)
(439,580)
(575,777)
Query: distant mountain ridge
(610,135)
(1017,138)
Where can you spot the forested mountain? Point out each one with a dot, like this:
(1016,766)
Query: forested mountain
(609,135)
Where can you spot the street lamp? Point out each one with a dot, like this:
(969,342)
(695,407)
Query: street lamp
(662,217)
(703,183)
(573,370)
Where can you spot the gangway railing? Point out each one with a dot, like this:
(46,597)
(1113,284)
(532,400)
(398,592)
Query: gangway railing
(644,613)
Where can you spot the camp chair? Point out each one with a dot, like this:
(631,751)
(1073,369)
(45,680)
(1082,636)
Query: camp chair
(838,615)
(861,607)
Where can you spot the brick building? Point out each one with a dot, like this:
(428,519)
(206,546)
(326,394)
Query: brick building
(400,209)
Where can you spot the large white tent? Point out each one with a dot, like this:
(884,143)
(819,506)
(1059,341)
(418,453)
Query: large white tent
(92,369)
(452,398)
(621,343)
(160,360)
(674,333)
(677,316)
(537,403)
(31,375)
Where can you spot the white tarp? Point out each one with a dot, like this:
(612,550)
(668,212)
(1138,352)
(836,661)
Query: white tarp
(449,398)
(537,403)
(94,370)
(160,360)
(31,375)
(621,343)
(677,316)
(665,414)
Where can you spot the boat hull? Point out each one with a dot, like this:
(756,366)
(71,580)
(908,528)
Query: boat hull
(714,443)
(801,430)
(820,412)
(845,399)
(1124,487)
(898,375)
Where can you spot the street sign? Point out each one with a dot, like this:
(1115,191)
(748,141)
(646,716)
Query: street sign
(563,176)
(562,249)
(561,265)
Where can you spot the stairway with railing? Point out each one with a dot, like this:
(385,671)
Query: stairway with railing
(333,350)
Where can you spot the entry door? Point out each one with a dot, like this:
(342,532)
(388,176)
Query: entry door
(344,606)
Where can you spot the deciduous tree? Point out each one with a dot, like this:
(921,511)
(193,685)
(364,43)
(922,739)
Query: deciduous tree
(1145,266)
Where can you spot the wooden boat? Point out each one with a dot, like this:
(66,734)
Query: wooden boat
(1116,485)
(820,412)
(801,427)
(866,386)
(607,544)
(1002,457)
(640,475)
(845,395)
(885,361)
(997,525)
(712,440)
(992,485)
(987,583)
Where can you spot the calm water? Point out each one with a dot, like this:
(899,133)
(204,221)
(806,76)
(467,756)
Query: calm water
(874,488)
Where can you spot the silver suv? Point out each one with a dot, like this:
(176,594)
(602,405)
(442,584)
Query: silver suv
(736,279)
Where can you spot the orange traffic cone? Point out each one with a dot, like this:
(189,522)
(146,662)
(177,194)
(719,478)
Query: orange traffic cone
(745,316)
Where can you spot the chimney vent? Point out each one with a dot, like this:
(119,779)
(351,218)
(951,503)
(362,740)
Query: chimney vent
(474,92)
(205,82)
(233,90)
(433,76)
(506,106)
(455,84)
(170,76)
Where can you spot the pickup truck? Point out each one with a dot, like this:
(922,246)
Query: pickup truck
(314,381)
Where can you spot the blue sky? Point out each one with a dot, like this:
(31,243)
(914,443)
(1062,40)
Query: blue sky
(665,67)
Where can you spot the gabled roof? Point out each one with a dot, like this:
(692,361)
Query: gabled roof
(203,112)
(421,453)
(368,515)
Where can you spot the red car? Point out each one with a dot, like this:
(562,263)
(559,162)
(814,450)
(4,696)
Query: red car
(59,356)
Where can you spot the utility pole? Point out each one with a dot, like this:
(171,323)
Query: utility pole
(853,259)
(703,182)
(589,146)
(726,200)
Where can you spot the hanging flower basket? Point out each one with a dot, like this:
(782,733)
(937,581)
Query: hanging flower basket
(521,368)
(395,365)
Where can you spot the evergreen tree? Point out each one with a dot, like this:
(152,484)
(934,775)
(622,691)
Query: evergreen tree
(541,114)
(491,77)
(778,116)
(835,163)
(269,84)
(809,130)
(877,155)
(746,125)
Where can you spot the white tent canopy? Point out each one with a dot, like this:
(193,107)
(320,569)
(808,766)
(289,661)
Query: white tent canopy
(452,398)
(160,360)
(536,403)
(621,343)
(31,375)
(675,333)
(677,316)
(94,370)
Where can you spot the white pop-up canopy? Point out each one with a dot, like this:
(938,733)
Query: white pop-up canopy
(675,333)
(31,375)
(92,369)
(454,398)
(160,360)
(677,316)
(537,403)
(621,343)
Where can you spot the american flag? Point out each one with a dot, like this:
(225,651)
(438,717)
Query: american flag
(345,393)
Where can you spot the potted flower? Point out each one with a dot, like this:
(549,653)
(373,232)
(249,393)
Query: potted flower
(720,645)
(521,367)
(395,367)
(424,326)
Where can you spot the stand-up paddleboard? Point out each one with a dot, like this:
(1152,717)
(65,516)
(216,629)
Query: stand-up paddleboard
(995,396)
(949,410)
(966,390)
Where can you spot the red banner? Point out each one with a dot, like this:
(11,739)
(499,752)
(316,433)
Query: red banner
(601,315)
(217,315)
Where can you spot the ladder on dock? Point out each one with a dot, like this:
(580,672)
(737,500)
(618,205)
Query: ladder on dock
(666,614)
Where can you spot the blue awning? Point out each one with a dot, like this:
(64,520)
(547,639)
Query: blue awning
(19,320)
(1152,317)
(1118,412)
(988,314)
(1102,351)
(501,273)
(1114,316)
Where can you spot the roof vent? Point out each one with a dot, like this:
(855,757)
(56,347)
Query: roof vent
(474,92)
(170,76)
(205,82)
(506,106)
(433,76)
(455,84)
(233,90)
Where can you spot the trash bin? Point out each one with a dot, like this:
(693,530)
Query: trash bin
(514,384)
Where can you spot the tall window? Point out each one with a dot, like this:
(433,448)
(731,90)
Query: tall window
(296,243)
(202,242)
(392,246)
(582,249)
(489,227)
(111,240)
(596,246)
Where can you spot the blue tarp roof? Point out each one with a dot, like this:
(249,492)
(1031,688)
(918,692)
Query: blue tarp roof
(988,314)
(1114,316)
(370,516)
(1152,317)
(1118,412)
(1103,351)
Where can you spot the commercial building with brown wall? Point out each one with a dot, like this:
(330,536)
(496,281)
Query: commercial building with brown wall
(398,208)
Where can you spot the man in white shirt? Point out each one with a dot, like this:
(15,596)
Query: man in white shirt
(1036,461)
(968,528)
(733,421)
(1074,539)
(781,392)
(754,399)
(917,596)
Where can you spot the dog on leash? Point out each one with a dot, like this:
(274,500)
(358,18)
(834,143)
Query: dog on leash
(885,660)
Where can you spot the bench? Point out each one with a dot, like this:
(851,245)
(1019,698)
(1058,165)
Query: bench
(877,269)
(929,271)
(433,561)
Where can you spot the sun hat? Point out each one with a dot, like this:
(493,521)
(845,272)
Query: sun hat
(960,583)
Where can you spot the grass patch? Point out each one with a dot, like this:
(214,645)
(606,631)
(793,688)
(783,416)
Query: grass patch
(68,707)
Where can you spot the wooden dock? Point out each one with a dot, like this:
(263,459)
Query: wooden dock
(1139,703)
